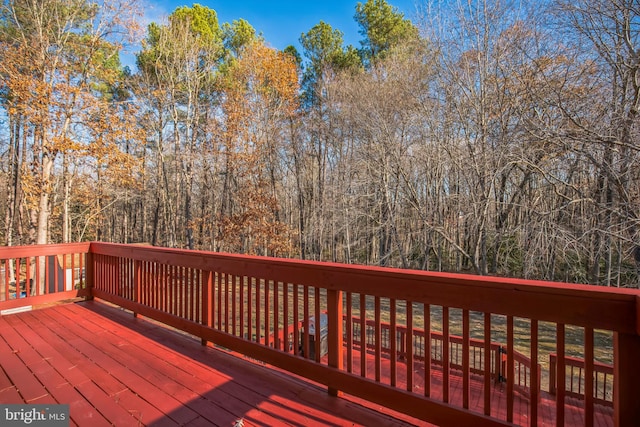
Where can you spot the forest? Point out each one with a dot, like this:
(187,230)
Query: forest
(493,137)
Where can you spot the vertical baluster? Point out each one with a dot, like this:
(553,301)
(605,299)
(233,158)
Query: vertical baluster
(510,369)
(167,274)
(409,344)
(465,359)
(130,289)
(184,292)
(222,301)
(363,337)
(249,308)
(296,319)
(318,317)
(239,306)
(220,296)
(119,288)
(166,305)
(349,332)
(285,318)
(378,338)
(150,283)
(393,343)
(17,267)
(166,292)
(175,298)
(109,277)
(231,303)
(56,275)
(191,293)
(427,350)
(195,294)
(445,354)
(174,289)
(534,386)
(27,279)
(65,285)
(142,292)
(226,316)
(276,315)
(82,283)
(171,288)
(200,284)
(258,308)
(6,280)
(157,285)
(305,339)
(180,291)
(73,271)
(179,288)
(588,377)
(487,364)
(241,283)
(137,283)
(47,279)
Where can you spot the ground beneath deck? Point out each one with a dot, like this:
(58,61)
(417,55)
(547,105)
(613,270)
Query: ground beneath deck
(113,369)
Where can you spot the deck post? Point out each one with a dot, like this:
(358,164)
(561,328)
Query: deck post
(335,333)
(626,375)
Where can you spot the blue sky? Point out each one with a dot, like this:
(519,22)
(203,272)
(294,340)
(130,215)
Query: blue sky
(281,21)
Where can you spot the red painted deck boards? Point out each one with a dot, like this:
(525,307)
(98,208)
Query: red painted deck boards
(116,370)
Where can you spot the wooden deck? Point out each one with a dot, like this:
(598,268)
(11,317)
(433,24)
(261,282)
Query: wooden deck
(114,369)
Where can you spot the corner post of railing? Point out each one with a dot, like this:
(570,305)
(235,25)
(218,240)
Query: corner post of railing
(626,375)
(335,333)
(207,306)
(89,273)
(137,282)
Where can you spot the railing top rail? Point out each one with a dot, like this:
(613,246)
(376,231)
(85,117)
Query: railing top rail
(7,252)
(582,305)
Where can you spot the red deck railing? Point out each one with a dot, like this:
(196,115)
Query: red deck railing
(260,307)
(575,379)
(521,374)
(33,275)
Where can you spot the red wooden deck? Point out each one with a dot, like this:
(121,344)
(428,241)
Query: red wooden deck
(116,370)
